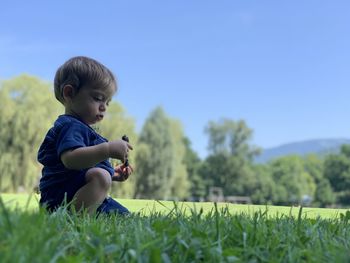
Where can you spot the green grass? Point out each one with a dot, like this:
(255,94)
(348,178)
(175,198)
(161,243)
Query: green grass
(25,201)
(173,232)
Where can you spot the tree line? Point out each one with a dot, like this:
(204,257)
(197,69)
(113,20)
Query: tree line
(166,167)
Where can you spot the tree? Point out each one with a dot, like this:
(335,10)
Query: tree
(28,110)
(158,158)
(324,195)
(230,156)
(337,171)
(193,164)
(181,185)
(292,181)
(232,138)
(261,187)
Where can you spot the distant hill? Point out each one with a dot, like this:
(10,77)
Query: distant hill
(319,147)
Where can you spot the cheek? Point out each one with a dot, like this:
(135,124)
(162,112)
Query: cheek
(97,105)
(93,105)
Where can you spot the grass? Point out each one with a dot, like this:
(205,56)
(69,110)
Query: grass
(173,232)
(30,202)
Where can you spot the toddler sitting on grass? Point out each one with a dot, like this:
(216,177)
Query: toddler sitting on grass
(76,169)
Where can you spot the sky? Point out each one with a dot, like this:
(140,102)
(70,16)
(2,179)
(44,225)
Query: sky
(281,66)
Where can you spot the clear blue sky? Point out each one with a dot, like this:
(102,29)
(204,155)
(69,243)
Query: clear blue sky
(282,66)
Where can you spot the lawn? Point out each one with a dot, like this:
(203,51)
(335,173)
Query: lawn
(173,232)
(24,201)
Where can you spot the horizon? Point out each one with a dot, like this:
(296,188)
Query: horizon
(308,140)
(280,66)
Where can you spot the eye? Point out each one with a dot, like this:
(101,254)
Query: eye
(97,99)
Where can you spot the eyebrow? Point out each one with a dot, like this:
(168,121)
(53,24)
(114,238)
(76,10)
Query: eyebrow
(101,93)
(98,93)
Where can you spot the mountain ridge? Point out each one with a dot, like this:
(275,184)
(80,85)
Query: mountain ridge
(302,148)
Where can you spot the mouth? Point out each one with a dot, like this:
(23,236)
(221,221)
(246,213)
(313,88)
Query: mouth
(99,117)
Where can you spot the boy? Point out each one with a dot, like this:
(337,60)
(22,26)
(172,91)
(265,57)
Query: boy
(75,157)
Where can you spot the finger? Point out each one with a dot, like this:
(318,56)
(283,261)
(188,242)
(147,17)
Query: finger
(130,168)
(119,170)
(125,174)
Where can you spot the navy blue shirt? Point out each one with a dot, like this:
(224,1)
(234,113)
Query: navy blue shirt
(68,133)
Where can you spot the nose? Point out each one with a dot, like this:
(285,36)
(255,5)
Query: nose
(103,106)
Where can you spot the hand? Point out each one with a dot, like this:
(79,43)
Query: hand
(119,149)
(122,172)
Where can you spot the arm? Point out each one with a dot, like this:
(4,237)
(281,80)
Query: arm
(85,157)
(89,156)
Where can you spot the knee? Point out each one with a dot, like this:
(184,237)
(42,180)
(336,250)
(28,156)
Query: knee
(100,177)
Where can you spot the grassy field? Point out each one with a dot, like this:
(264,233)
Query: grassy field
(173,232)
(30,202)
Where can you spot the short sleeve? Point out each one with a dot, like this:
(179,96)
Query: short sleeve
(71,136)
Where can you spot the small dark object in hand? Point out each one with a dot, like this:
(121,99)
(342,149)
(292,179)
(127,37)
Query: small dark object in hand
(126,138)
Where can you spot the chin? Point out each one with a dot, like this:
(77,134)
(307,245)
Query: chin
(90,122)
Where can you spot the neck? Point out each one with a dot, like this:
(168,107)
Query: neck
(71,112)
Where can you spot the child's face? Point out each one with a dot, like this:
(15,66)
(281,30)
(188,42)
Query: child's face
(90,103)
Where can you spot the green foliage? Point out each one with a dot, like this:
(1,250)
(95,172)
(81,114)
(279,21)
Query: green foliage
(180,186)
(337,171)
(223,171)
(193,164)
(230,160)
(232,138)
(324,194)
(27,111)
(261,187)
(292,181)
(161,174)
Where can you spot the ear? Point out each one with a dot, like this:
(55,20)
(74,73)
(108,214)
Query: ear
(68,92)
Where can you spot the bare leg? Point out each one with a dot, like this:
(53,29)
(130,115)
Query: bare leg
(91,195)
